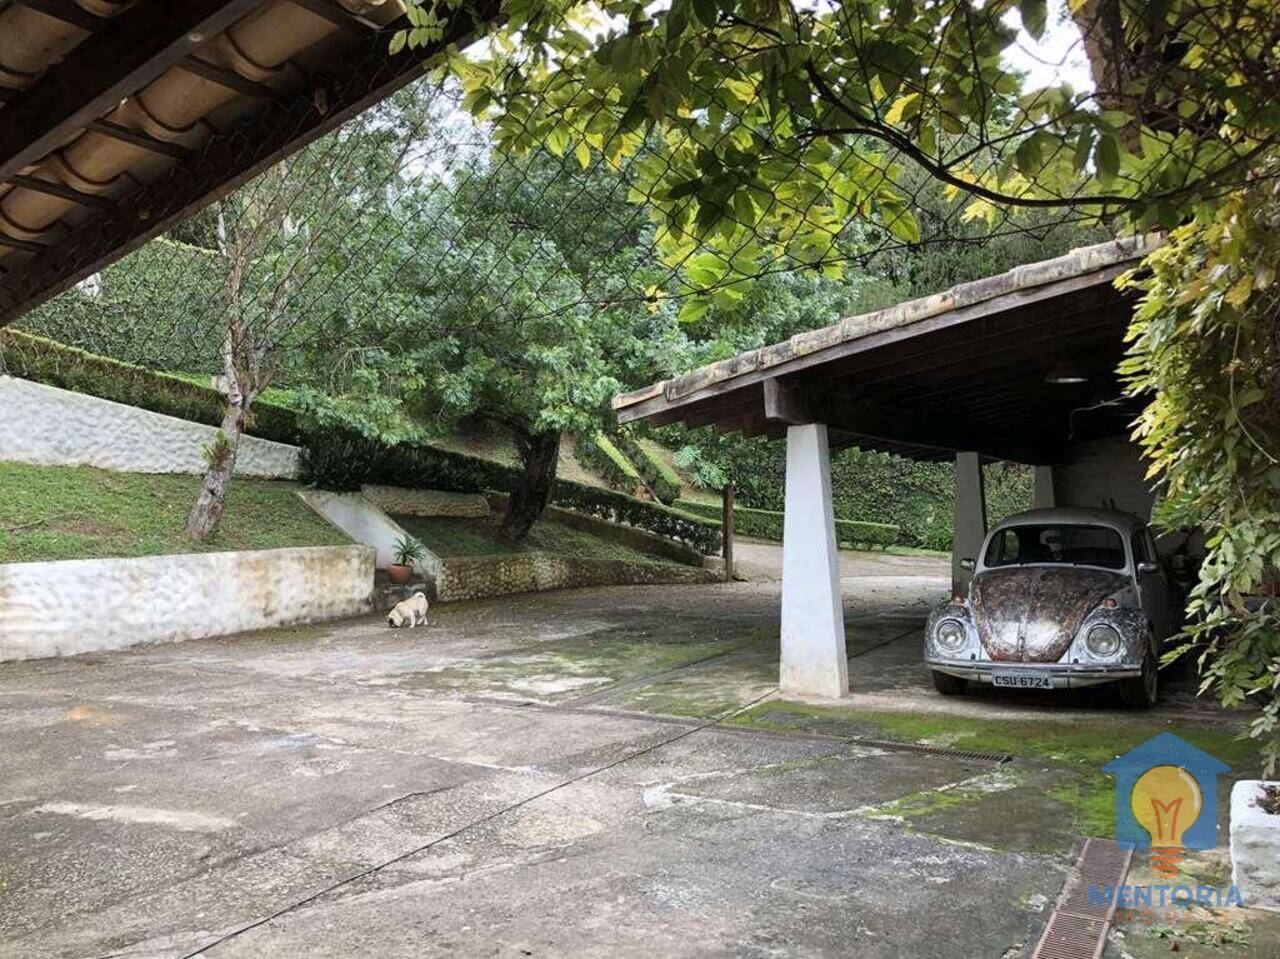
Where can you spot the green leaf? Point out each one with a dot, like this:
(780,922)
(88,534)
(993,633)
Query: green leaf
(693,310)
(1027,157)
(1107,158)
(1084,146)
(707,12)
(904,108)
(903,225)
(398,40)
(1034,16)
(678,19)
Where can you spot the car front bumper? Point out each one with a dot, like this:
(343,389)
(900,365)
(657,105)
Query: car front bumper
(1064,675)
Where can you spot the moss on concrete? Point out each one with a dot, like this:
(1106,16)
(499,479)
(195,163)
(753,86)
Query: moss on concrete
(1061,791)
(560,669)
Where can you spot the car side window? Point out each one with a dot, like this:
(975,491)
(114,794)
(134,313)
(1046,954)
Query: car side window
(1004,549)
(1141,551)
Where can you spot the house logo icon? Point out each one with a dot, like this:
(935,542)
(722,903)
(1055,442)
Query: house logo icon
(1167,798)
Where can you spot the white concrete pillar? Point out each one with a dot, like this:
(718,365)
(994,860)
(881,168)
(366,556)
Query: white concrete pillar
(814,662)
(1042,495)
(970,518)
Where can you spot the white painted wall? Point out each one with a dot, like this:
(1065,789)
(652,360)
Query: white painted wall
(366,523)
(1104,472)
(78,606)
(48,426)
(814,661)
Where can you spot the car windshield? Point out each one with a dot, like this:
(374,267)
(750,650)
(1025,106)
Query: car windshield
(1056,543)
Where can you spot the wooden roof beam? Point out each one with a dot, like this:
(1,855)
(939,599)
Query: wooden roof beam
(127,53)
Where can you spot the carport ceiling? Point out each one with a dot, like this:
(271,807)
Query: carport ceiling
(966,369)
(119,118)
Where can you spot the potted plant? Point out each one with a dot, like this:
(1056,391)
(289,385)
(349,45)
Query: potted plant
(407,552)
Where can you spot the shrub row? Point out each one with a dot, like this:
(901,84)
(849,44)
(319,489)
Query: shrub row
(56,364)
(659,477)
(343,460)
(597,452)
(333,458)
(767,524)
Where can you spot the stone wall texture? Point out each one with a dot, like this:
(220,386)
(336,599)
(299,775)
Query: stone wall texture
(78,606)
(474,577)
(1255,847)
(426,502)
(47,426)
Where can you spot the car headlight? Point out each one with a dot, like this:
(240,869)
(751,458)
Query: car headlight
(949,635)
(1102,640)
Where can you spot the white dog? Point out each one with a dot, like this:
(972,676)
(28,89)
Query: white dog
(409,612)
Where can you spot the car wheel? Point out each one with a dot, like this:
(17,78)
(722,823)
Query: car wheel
(1141,692)
(947,684)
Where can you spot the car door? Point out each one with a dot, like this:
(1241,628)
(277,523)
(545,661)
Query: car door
(1153,587)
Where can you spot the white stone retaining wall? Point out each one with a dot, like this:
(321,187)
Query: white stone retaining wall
(48,426)
(1255,847)
(78,606)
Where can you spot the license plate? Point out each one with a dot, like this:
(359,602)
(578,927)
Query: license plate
(1021,679)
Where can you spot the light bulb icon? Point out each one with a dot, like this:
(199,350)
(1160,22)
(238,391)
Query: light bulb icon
(1166,802)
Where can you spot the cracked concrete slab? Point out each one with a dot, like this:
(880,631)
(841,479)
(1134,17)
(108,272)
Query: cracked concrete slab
(352,790)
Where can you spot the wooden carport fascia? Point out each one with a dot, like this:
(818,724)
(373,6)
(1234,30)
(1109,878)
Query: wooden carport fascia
(662,403)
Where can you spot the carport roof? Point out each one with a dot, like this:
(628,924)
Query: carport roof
(120,118)
(964,369)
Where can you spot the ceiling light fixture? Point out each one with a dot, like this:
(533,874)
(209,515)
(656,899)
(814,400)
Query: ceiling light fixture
(1065,373)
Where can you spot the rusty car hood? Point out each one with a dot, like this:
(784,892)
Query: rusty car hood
(1030,614)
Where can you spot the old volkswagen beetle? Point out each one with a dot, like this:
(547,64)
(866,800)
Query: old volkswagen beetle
(1060,598)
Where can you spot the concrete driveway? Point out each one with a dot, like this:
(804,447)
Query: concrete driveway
(547,775)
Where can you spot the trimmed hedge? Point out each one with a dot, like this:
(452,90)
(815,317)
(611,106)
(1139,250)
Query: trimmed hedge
(332,458)
(343,460)
(56,364)
(767,524)
(659,477)
(598,453)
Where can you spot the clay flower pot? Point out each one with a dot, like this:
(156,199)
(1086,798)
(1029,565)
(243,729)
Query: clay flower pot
(399,574)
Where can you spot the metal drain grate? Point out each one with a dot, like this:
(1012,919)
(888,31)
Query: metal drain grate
(889,744)
(1077,929)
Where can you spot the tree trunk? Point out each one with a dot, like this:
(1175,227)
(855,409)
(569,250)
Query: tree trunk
(205,515)
(540,454)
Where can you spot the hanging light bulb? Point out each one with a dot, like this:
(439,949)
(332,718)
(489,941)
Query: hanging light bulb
(1166,802)
(1065,373)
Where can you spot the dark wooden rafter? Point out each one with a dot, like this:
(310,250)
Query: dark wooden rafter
(63,191)
(229,79)
(1103,310)
(126,53)
(125,134)
(27,246)
(351,82)
(68,11)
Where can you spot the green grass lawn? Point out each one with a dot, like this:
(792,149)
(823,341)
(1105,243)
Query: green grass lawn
(57,512)
(458,536)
